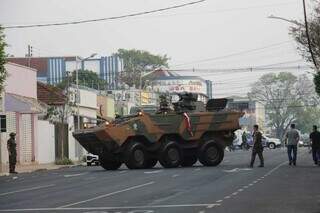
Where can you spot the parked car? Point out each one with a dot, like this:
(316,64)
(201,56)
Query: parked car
(92,159)
(271,143)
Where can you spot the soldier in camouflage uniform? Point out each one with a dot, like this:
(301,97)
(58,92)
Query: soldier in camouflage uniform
(257,147)
(12,150)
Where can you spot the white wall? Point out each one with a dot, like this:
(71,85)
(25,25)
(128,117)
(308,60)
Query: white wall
(46,143)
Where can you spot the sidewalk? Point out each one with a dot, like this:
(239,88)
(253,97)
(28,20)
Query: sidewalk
(24,168)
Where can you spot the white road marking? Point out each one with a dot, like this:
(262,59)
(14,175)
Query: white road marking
(122,171)
(27,189)
(240,190)
(74,175)
(255,181)
(197,169)
(219,201)
(234,193)
(154,172)
(13,178)
(111,208)
(232,170)
(107,195)
(213,205)
(202,212)
(251,184)
(246,187)
(227,197)
(174,176)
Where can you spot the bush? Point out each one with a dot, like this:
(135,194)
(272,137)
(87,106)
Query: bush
(64,161)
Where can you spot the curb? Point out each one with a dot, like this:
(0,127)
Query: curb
(56,167)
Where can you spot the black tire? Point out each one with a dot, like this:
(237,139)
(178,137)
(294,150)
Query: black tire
(210,154)
(151,162)
(135,156)
(88,164)
(170,155)
(189,161)
(110,164)
(272,145)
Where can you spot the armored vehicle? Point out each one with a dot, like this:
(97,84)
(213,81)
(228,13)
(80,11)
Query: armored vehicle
(174,137)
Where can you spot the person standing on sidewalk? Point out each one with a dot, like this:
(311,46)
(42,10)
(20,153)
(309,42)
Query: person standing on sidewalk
(292,140)
(257,146)
(315,140)
(12,150)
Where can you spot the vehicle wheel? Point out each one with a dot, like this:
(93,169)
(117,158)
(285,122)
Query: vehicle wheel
(272,146)
(189,161)
(135,156)
(110,164)
(88,164)
(210,154)
(151,163)
(170,155)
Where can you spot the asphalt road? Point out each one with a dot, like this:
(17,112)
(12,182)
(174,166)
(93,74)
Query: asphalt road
(230,187)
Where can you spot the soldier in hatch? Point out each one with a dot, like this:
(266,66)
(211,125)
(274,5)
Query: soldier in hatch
(12,150)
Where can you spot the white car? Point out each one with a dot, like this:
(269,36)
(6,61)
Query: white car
(92,159)
(271,143)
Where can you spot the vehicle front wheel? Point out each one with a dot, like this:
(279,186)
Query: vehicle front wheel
(272,146)
(170,156)
(135,156)
(210,154)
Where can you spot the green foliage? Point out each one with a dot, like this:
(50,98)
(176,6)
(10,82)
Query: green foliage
(3,72)
(298,32)
(137,62)
(86,78)
(306,118)
(283,96)
(64,161)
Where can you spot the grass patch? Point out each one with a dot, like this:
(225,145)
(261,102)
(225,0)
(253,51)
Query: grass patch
(64,161)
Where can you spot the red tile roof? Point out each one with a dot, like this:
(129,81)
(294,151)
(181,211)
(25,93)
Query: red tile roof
(50,95)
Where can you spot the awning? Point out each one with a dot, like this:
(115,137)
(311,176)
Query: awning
(21,104)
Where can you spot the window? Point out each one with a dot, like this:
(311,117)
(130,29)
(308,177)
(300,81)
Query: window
(3,123)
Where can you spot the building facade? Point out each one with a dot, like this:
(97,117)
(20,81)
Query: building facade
(53,70)
(254,112)
(20,114)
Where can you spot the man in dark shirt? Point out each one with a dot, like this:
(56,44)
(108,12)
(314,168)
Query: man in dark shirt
(315,140)
(257,146)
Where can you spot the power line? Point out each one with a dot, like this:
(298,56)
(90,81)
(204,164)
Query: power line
(104,19)
(235,54)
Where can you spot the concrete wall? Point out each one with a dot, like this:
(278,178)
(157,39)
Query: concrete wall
(45,149)
(21,80)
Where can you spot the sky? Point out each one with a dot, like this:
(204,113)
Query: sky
(214,34)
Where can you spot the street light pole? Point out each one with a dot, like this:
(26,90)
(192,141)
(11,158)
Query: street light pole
(77,84)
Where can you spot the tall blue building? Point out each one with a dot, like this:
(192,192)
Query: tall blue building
(53,70)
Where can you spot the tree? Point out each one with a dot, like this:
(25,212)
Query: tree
(3,72)
(86,78)
(298,32)
(137,62)
(283,95)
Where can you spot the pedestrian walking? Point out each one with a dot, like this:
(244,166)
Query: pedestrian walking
(12,150)
(292,139)
(315,145)
(257,146)
(244,144)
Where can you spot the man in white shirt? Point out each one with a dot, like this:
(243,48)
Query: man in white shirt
(292,140)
